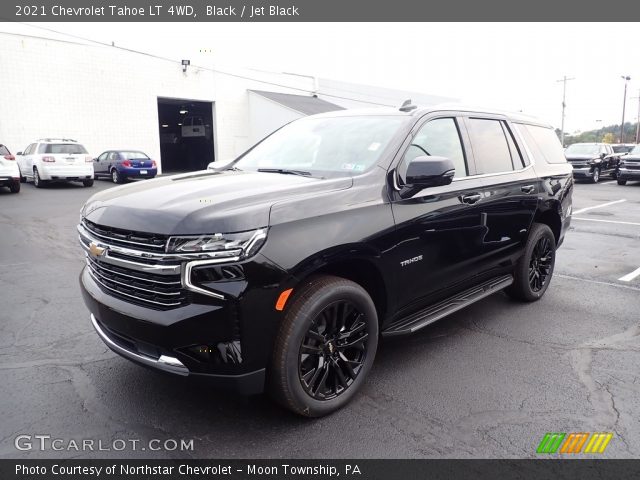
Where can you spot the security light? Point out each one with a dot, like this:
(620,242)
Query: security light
(185,64)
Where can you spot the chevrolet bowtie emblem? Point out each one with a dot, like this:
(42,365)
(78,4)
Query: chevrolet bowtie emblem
(95,250)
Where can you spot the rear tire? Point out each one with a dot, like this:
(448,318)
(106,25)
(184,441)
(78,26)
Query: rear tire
(88,183)
(534,270)
(14,187)
(36,179)
(116,177)
(325,346)
(622,182)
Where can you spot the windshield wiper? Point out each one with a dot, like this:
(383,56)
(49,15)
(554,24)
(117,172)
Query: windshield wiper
(285,171)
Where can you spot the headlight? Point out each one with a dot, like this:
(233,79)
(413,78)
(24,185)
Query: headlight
(242,244)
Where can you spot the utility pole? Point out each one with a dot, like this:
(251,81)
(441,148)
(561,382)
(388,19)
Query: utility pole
(626,79)
(564,81)
(638,119)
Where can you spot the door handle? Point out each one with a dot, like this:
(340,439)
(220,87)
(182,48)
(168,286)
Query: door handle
(528,188)
(471,198)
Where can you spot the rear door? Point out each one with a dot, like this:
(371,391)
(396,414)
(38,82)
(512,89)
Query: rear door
(25,161)
(510,188)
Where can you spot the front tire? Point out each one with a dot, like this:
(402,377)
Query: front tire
(88,183)
(596,175)
(622,182)
(325,346)
(534,270)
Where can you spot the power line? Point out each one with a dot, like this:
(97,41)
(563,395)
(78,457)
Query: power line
(214,70)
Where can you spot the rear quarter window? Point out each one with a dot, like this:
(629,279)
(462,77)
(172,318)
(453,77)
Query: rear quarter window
(543,143)
(4,150)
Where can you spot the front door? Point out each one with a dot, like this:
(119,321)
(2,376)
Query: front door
(440,230)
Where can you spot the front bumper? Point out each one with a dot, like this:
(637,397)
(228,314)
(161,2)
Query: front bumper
(628,174)
(583,172)
(226,342)
(65,172)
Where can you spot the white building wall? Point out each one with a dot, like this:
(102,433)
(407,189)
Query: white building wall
(106,97)
(266,116)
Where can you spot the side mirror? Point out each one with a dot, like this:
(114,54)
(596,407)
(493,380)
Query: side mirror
(427,171)
(19,153)
(602,155)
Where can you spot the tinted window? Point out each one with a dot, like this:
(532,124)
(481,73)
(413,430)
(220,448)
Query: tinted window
(64,148)
(4,150)
(543,143)
(439,137)
(490,147)
(132,154)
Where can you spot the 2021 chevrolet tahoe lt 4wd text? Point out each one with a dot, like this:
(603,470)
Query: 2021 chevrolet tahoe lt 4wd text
(282,269)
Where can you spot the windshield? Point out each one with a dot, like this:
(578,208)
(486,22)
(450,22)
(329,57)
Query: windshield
(583,149)
(4,150)
(622,148)
(324,146)
(636,150)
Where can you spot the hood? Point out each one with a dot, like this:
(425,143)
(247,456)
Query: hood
(634,158)
(573,157)
(202,202)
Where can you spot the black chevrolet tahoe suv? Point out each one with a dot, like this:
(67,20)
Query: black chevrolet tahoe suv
(629,167)
(282,269)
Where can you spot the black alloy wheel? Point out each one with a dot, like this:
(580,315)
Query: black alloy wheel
(540,264)
(333,351)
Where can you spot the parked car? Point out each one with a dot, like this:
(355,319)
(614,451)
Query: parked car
(122,164)
(52,159)
(193,127)
(629,166)
(283,270)
(622,148)
(592,160)
(9,171)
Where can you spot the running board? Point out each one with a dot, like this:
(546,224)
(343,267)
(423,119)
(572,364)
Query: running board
(425,317)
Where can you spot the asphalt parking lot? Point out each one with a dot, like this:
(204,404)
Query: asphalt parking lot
(487,382)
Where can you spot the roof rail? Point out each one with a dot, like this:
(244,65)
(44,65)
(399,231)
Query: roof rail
(56,139)
(407,106)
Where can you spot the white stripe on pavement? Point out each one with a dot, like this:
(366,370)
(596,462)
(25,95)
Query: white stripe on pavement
(582,210)
(597,282)
(605,221)
(630,276)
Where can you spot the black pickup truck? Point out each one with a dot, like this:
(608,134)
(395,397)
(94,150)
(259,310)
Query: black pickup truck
(590,161)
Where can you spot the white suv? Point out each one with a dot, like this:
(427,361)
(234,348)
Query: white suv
(55,159)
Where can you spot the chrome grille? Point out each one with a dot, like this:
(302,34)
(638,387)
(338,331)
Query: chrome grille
(127,238)
(143,288)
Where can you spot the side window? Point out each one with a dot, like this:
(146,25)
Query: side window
(42,148)
(103,156)
(543,143)
(490,146)
(113,157)
(439,137)
(29,149)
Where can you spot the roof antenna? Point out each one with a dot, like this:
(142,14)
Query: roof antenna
(407,107)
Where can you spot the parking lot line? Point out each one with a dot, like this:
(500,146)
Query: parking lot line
(597,282)
(582,210)
(605,183)
(605,221)
(630,276)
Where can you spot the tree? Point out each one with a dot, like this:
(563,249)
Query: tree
(609,138)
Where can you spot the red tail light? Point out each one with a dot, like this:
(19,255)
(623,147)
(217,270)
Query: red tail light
(48,159)
(126,163)
(88,159)
(9,157)
(153,163)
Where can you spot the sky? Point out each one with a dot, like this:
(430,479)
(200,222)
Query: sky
(510,66)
